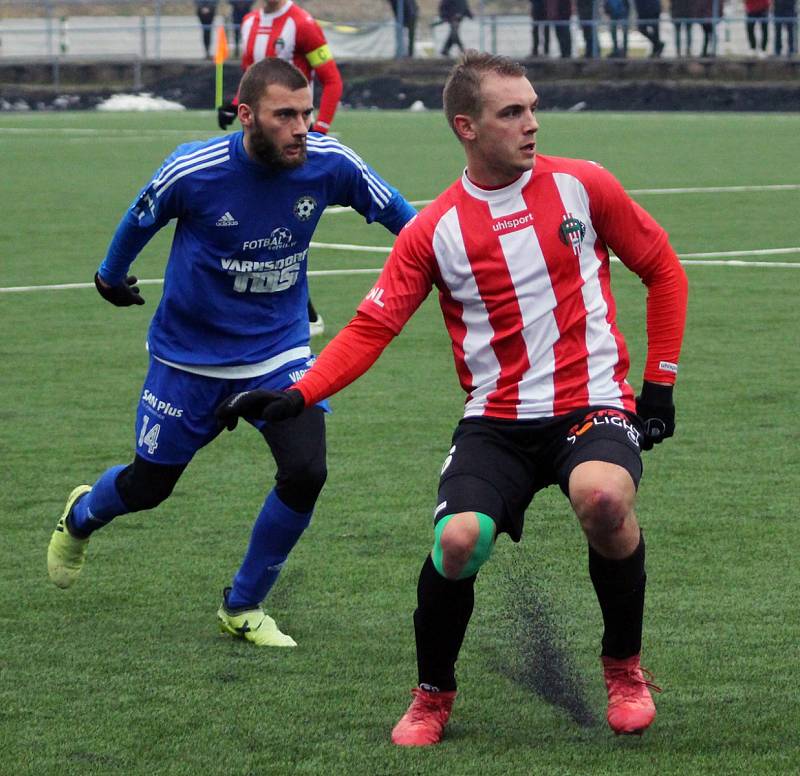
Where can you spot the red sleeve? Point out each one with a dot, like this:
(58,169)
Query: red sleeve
(331,82)
(643,246)
(404,282)
(406,278)
(314,47)
(345,358)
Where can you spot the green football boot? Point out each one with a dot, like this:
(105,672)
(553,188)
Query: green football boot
(252,625)
(66,553)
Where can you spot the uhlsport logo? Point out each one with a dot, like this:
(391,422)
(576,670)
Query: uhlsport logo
(572,231)
(227,220)
(513,222)
(304,207)
(604,418)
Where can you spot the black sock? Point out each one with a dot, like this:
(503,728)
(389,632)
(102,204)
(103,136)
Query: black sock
(620,585)
(440,621)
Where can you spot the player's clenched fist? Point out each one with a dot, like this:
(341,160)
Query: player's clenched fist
(259,404)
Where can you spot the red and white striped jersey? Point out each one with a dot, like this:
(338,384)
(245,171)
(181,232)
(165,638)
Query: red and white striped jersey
(290,33)
(524,287)
(293,34)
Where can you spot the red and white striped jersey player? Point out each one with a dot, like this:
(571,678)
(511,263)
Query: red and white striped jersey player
(282,29)
(524,280)
(519,251)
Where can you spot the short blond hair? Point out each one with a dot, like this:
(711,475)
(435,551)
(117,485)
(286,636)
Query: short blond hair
(462,90)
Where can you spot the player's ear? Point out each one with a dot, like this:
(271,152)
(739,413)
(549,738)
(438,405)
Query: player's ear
(245,114)
(464,126)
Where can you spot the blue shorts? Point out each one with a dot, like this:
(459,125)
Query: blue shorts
(175,415)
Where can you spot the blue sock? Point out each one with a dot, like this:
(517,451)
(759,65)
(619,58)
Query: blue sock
(98,507)
(276,531)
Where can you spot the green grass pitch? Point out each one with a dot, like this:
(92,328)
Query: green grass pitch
(126,673)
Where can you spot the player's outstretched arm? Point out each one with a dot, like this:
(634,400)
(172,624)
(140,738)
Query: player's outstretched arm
(346,357)
(260,405)
(123,294)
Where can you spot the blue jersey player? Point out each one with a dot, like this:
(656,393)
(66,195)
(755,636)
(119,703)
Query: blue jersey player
(232,318)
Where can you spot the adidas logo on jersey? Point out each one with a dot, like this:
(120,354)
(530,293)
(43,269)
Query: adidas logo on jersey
(227,220)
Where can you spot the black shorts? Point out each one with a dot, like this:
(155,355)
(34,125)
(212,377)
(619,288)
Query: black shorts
(497,466)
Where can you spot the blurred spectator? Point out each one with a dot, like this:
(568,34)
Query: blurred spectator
(618,12)
(757,12)
(648,13)
(702,12)
(681,14)
(452,12)
(559,11)
(206,10)
(541,28)
(410,14)
(239,9)
(785,12)
(588,19)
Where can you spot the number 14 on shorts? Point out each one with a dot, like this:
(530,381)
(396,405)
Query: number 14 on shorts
(149,436)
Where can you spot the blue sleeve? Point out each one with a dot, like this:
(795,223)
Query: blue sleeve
(396,214)
(153,208)
(365,191)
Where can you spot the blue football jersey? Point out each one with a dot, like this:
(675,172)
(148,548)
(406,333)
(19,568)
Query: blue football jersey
(235,285)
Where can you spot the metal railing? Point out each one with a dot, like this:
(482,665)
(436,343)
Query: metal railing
(152,35)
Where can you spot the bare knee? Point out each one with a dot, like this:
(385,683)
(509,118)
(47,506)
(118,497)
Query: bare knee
(602,495)
(602,509)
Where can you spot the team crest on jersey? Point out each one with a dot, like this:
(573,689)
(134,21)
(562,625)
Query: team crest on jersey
(572,231)
(280,44)
(304,207)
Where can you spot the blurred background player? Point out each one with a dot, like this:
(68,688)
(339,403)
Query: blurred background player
(280,28)
(232,317)
(518,250)
(206,10)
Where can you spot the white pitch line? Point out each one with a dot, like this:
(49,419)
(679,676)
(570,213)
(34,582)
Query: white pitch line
(85,132)
(355,248)
(719,189)
(689,259)
(639,192)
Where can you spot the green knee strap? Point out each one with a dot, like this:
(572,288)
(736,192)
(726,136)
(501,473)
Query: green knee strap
(480,553)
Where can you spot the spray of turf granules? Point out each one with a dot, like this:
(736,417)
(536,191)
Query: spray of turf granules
(540,659)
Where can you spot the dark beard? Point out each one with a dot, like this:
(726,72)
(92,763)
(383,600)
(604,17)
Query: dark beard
(268,154)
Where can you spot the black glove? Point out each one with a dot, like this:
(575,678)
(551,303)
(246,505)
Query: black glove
(657,412)
(121,295)
(226,115)
(260,404)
